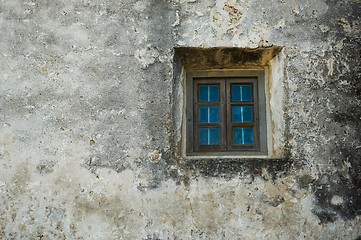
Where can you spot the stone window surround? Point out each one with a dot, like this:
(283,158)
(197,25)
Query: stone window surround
(270,60)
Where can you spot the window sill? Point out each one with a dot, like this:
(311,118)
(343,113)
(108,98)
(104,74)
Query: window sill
(225,154)
(197,157)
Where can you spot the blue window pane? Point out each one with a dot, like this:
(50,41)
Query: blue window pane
(242,114)
(241,92)
(209,136)
(208,93)
(243,135)
(209,114)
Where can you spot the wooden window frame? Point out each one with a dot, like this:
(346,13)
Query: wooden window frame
(222,115)
(225,79)
(254,103)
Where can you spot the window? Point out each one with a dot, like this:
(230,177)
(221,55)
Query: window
(263,68)
(226,113)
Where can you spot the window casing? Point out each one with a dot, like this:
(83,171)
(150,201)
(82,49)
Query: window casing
(226,113)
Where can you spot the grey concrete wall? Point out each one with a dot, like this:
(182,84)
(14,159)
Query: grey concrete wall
(87,146)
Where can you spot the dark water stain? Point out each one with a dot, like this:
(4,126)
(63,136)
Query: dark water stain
(344,177)
(230,168)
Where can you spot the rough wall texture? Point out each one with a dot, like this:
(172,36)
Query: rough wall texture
(86,137)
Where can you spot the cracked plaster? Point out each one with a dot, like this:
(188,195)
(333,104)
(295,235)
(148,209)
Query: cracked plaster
(86,137)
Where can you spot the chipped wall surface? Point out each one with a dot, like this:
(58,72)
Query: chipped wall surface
(89,122)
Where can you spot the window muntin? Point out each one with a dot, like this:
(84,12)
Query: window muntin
(209,136)
(242,135)
(208,93)
(209,114)
(242,114)
(242,92)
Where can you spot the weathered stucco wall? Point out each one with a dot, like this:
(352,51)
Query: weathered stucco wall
(87,146)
